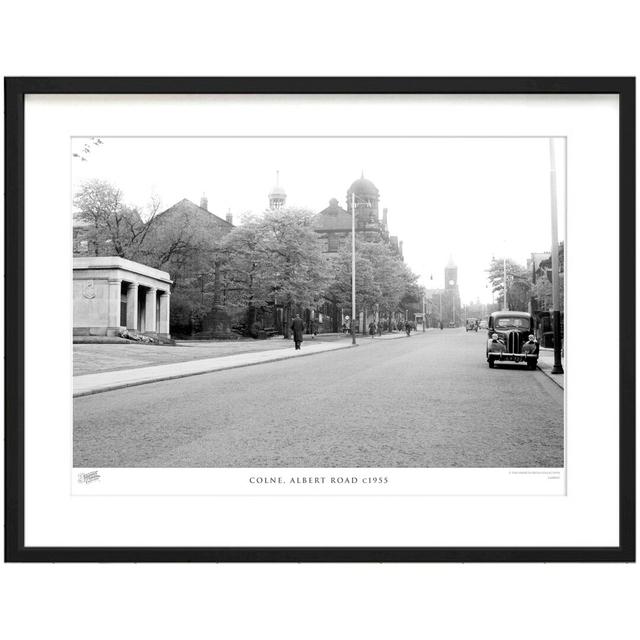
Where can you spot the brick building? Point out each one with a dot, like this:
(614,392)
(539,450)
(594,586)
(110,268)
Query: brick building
(334,223)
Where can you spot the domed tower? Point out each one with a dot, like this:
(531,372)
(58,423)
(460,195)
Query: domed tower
(366,198)
(277,196)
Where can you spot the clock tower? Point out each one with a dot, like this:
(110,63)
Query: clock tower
(451,311)
(451,275)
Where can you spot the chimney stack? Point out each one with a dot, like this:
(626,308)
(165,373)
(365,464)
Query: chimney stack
(204,203)
(384,217)
(229,217)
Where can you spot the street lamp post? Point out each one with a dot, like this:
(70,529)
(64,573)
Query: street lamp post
(353,263)
(555,266)
(505,306)
(440,296)
(353,268)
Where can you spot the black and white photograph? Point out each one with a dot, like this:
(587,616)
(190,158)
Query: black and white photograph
(318,302)
(323,320)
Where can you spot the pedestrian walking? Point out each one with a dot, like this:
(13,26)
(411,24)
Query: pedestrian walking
(297,326)
(372,329)
(379,328)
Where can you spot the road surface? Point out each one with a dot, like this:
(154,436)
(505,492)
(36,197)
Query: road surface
(425,401)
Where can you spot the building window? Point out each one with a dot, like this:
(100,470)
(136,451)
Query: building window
(333,243)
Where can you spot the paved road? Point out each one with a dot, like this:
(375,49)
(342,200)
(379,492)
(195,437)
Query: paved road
(425,401)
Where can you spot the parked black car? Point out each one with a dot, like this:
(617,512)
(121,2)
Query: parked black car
(515,340)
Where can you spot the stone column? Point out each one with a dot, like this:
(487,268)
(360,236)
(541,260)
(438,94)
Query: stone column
(113,322)
(132,306)
(150,311)
(165,297)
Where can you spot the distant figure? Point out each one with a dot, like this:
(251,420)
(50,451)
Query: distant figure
(313,329)
(408,326)
(344,328)
(400,325)
(441,327)
(379,328)
(297,326)
(372,329)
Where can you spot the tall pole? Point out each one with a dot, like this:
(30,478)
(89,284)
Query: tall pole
(424,314)
(555,266)
(505,306)
(353,268)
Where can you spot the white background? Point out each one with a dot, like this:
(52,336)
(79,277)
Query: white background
(460,601)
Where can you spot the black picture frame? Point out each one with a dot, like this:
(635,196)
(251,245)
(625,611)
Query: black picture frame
(15,91)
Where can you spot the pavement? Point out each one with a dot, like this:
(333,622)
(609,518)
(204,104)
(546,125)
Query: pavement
(191,360)
(425,401)
(98,358)
(545,364)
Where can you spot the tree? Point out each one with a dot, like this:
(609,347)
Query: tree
(395,282)
(295,254)
(339,289)
(180,245)
(247,281)
(83,152)
(274,259)
(518,284)
(541,289)
(383,281)
(114,227)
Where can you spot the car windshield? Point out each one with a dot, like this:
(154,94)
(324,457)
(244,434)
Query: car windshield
(512,323)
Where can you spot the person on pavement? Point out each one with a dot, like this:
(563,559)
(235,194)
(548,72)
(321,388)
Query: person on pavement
(297,326)
(372,329)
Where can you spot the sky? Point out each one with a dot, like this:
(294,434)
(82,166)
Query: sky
(464,198)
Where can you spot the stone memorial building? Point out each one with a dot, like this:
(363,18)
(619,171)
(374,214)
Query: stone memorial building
(111,294)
